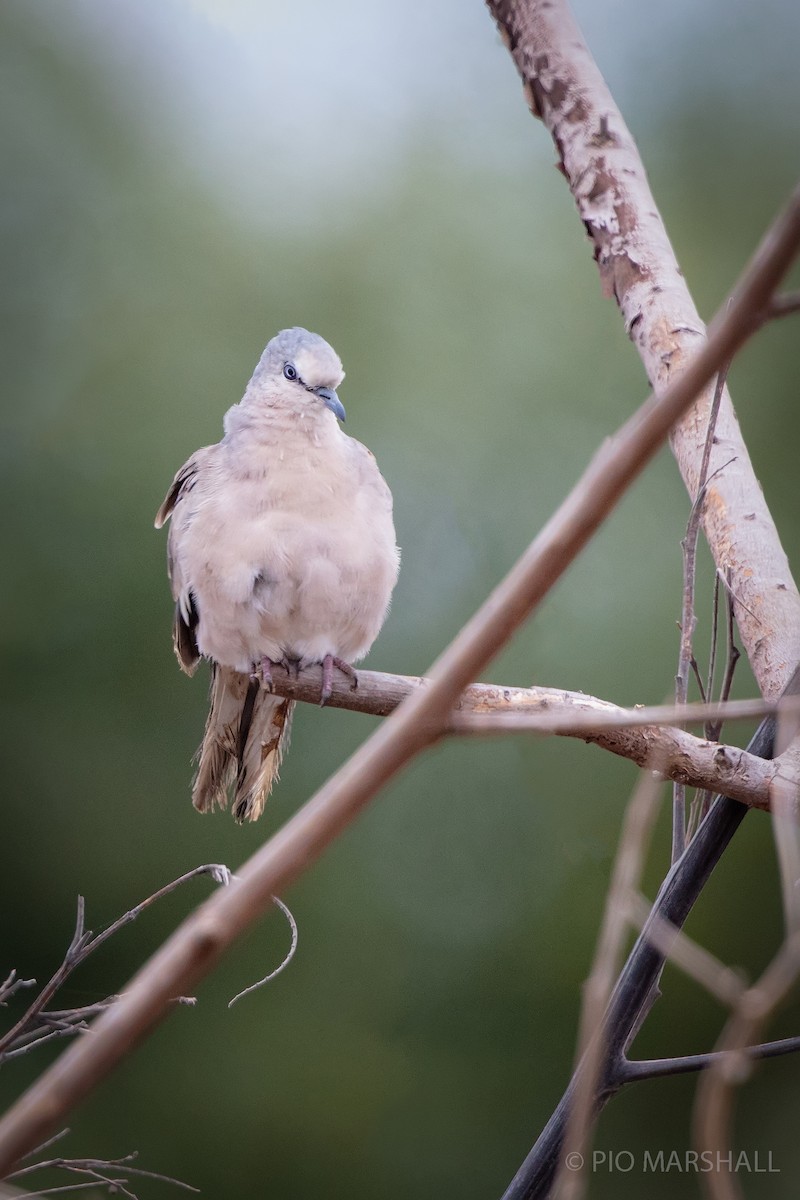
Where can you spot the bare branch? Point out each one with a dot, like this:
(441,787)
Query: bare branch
(639,734)
(688,618)
(11,985)
(36,1025)
(694,960)
(654,1068)
(290,953)
(575,714)
(100,1172)
(51,1141)
(713,1112)
(634,840)
(635,989)
(550,710)
(599,159)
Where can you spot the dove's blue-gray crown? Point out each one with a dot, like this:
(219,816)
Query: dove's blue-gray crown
(317,363)
(294,364)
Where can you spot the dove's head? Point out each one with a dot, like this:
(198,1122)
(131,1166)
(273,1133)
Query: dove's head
(299,370)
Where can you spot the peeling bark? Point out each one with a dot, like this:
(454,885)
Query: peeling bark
(638,267)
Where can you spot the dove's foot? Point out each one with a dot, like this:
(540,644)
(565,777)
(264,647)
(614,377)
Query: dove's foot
(264,672)
(328,663)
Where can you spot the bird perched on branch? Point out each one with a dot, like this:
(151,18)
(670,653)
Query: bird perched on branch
(281,550)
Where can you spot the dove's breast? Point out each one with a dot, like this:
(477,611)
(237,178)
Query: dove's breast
(289,552)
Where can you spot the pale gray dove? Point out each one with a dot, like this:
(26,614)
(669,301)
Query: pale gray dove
(281,550)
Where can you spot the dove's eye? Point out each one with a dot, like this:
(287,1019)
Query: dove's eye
(290,371)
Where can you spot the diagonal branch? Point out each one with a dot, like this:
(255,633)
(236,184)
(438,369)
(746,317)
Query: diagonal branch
(196,946)
(598,157)
(688,618)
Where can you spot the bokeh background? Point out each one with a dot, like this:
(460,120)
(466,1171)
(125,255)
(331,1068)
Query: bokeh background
(181,179)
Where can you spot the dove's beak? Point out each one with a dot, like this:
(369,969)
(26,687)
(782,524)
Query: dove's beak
(331,401)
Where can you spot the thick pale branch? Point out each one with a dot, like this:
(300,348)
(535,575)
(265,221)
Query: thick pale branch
(599,159)
(641,735)
(198,943)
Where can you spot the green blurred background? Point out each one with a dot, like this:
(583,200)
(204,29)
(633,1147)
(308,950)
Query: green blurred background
(181,180)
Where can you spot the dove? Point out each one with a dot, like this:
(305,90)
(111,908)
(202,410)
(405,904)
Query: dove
(281,549)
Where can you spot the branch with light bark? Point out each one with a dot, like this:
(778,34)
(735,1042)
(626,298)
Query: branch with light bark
(601,163)
(643,734)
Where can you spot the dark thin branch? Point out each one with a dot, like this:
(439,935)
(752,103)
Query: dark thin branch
(714,728)
(733,653)
(712,655)
(688,618)
(635,987)
(704,695)
(633,1070)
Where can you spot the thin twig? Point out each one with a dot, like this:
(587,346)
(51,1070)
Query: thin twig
(724,983)
(712,653)
(60,1190)
(688,618)
(75,954)
(51,1141)
(218,872)
(732,654)
(581,715)
(714,1104)
(713,726)
(11,985)
(634,991)
(634,840)
(656,1068)
(281,966)
(36,1025)
(98,1168)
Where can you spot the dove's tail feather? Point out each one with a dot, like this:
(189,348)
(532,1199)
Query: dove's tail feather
(247,732)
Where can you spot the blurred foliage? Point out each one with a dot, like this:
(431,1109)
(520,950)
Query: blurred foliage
(425,1030)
